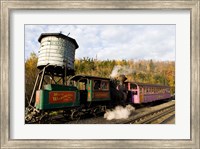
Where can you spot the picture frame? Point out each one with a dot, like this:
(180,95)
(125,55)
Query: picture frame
(8,6)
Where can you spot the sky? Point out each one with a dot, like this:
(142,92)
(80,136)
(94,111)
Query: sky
(113,42)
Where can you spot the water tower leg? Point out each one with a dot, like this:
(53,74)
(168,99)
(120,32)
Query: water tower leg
(36,82)
(41,80)
(33,92)
(63,78)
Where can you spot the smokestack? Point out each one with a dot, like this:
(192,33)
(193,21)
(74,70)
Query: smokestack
(122,78)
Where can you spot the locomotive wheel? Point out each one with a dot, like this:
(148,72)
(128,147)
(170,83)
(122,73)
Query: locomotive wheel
(98,111)
(94,112)
(75,115)
(67,114)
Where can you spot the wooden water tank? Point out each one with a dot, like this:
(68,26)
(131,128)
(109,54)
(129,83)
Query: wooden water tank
(57,50)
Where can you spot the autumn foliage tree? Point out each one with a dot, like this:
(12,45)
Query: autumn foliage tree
(145,71)
(31,72)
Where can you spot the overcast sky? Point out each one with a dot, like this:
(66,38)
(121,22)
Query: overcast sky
(116,42)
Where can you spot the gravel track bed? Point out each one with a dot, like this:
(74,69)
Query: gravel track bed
(134,114)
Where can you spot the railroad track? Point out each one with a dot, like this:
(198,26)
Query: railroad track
(159,116)
(155,115)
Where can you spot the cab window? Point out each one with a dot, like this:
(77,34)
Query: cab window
(101,85)
(104,85)
(82,86)
(97,84)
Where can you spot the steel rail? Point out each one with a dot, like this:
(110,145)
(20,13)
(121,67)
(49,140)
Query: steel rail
(161,114)
(138,119)
(168,118)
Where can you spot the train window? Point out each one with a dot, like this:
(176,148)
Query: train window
(134,92)
(141,90)
(101,85)
(145,90)
(151,90)
(148,90)
(97,84)
(104,85)
(133,86)
(82,86)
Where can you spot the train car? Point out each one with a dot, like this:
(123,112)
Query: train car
(92,89)
(143,93)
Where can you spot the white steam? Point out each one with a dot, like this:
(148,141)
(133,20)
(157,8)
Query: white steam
(121,70)
(119,112)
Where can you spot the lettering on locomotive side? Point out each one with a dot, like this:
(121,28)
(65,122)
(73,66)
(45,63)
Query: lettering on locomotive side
(62,97)
(101,94)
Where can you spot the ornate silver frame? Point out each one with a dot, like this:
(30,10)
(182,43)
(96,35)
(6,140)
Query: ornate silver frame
(194,7)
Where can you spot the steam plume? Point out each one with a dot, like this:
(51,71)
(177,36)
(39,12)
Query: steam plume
(119,70)
(119,112)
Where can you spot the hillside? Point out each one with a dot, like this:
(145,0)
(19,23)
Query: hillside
(145,71)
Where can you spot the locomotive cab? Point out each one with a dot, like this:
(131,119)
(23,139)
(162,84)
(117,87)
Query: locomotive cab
(82,85)
(92,89)
(100,89)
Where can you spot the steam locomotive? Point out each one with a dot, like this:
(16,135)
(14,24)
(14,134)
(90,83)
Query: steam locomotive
(93,95)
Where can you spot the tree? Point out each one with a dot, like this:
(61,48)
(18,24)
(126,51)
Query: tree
(31,72)
(151,66)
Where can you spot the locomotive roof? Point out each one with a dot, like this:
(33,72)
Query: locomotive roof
(58,35)
(77,77)
(149,85)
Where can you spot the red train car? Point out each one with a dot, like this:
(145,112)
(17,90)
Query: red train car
(144,93)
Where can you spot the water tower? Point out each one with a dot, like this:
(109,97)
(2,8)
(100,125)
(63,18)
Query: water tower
(58,51)
(56,58)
